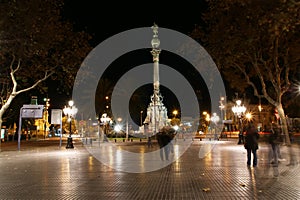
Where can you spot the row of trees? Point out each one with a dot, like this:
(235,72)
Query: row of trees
(256,46)
(35,44)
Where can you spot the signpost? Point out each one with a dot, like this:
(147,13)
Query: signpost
(29,111)
(56,118)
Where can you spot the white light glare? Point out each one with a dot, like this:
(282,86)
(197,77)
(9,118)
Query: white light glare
(118,128)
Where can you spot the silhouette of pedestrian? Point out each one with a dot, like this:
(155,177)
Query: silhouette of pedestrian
(164,140)
(275,140)
(251,144)
(149,142)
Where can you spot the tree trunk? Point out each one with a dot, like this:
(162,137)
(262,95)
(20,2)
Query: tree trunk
(0,128)
(3,109)
(283,124)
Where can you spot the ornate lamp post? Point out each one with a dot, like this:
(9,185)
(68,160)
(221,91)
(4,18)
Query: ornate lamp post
(222,107)
(206,122)
(105,120)
(70,111)
(46,115)
(215,119)
(238,111)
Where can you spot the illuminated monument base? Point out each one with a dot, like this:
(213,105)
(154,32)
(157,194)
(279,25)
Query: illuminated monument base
(157,117)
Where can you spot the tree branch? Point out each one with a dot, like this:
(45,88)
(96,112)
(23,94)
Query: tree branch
(248,79)
(12,72)
(47,74)
(287,71)
(277,86)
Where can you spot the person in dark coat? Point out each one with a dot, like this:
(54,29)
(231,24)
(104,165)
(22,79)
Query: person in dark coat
(251,144)
(275,140)
(164,141)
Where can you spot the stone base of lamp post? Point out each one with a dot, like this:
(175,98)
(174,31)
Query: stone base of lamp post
(70,143)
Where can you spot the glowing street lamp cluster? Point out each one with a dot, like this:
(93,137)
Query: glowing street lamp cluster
(70,111)
(239,110)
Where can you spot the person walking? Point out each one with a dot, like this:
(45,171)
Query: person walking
(149,142)
(164,140)
(251,144)
(275,140)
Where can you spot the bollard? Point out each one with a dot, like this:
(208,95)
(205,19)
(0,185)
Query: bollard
(115,140)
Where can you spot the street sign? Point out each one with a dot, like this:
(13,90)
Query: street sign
(29,111)
(32,111)
(56,116)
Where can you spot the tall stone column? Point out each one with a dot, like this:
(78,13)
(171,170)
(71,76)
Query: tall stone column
(155,42)
(156,111)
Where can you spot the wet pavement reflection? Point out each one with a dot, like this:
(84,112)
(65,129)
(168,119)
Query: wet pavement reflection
(196,170)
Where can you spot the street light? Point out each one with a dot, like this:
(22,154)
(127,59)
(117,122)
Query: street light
(46,115)
(222,107)
(206,122)
(248,116)
(207,116)
(215,119)
(175,112)
(238,111)
(105,120)
(70,111)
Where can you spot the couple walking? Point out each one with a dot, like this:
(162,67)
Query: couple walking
(251,144)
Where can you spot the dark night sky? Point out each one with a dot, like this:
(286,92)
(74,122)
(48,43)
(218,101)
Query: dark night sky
(105,19)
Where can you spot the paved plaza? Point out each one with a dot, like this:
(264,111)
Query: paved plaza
(207,169)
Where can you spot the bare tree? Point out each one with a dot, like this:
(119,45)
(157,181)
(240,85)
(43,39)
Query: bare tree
(35,43)
(255,44)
